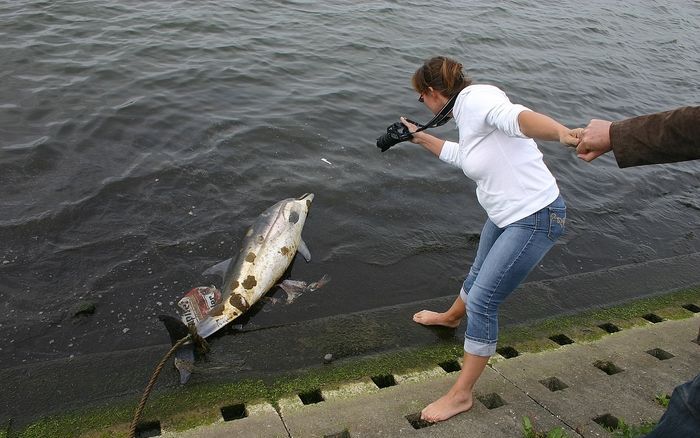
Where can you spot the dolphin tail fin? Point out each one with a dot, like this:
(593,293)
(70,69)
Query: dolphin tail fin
(184,362)
(184,356)
(175,327)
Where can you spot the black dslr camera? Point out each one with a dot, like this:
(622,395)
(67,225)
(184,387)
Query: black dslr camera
(398,132)
(395,133)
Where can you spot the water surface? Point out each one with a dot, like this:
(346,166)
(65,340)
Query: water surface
(139,140)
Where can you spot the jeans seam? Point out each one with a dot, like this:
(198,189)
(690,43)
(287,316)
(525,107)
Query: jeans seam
(481,340)
(466,291)
(500,279)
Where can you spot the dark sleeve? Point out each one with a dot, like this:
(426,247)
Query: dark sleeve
(657,138)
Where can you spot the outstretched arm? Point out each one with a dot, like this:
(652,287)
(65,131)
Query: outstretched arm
(665,137)
(541,127)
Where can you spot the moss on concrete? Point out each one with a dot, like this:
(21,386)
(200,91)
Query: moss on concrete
(96,423)
(637,321)
(583,326)
(674,313)
(193,405)
(534,345)
(586,334)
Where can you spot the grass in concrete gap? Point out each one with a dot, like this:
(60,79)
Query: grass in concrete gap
(663,399)
(192,405)
(529,431)
(623,430)
(628,431)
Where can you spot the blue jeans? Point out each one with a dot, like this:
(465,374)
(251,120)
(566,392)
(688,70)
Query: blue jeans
(682,417)
(504,258)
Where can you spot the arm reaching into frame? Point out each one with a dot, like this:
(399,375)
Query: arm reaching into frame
(664,137)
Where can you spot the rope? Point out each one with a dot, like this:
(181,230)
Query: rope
(202,347)
(151,383)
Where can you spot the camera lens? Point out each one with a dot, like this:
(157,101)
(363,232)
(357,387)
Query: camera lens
(387,140)
(396,133)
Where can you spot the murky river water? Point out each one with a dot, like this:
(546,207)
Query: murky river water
(138,141)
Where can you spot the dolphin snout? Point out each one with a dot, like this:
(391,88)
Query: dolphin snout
(306,196)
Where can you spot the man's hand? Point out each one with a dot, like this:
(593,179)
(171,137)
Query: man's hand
(595,140)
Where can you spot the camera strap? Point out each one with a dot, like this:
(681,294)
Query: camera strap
(442,116)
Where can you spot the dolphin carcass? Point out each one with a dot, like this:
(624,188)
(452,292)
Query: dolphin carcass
(267,250)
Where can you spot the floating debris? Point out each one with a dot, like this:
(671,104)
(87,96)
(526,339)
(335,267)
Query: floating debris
(84,309)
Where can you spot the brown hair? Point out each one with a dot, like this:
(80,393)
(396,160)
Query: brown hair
(443,74)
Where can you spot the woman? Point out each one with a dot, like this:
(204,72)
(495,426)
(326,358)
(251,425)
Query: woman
(526,213)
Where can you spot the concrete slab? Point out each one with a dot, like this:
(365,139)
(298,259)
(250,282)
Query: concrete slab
(384,412)
(591,393)
(261,421)
(420,376)
(377,414)
(557,388)
(348,390)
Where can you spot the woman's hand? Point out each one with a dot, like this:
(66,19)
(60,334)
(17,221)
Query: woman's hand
(570,137)
(412,129)
(430,142)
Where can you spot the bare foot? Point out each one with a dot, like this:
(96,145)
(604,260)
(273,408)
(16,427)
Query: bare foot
(446,407)
(427,317)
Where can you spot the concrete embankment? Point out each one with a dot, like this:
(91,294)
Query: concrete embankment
(582,389)
(112,383)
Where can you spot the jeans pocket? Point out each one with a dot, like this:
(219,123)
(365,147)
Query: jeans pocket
(557,222)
